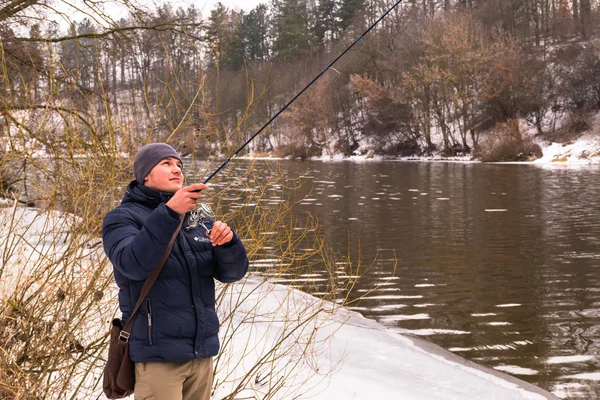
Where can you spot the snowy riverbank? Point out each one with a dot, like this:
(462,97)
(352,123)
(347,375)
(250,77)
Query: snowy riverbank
(585,150)
(366,360)
(274,335)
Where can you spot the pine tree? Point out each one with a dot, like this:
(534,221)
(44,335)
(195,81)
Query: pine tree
(347,12)
(256,28)
(325,27)
(224,38)
(291,29)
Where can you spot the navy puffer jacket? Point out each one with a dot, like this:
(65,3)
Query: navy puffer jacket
(177,321)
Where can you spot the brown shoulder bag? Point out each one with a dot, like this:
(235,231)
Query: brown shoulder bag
(119,371)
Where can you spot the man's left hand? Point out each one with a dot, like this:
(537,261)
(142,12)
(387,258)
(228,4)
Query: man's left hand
(220,234)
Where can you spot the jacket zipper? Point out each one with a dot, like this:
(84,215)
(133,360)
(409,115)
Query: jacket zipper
(149,312)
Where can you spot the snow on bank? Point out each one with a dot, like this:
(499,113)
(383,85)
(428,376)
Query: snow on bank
(357,358)
(274,335)
(583,151)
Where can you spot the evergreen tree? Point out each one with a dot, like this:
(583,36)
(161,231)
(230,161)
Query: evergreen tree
(88,55)
(256,27)
(290,29)
(215,33)
(348,10)
(232,54)
(70,56)
(325,27)
(224,38)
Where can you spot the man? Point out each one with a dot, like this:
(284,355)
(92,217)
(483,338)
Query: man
(174,335)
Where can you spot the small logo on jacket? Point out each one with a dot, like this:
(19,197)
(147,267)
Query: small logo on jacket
(201,239)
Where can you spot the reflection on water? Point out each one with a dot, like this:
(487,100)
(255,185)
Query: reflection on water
(497,263)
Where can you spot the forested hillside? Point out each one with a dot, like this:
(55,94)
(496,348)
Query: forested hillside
(436,76)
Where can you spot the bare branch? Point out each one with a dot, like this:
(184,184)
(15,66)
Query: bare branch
(76,113)
(15,6)
(162,27)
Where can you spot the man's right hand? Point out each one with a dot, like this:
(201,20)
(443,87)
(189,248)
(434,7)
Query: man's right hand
(185,199)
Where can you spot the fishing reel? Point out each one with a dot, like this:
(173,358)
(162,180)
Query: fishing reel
(198,217)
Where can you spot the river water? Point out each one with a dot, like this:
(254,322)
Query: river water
(496,263)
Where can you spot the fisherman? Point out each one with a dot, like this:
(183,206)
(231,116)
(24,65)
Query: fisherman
(174,335)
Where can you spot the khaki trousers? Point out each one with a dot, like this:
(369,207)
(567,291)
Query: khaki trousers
(189,380)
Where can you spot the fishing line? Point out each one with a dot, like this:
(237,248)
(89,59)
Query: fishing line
(300,93)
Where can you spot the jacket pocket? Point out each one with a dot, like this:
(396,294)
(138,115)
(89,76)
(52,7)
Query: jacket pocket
(149,312)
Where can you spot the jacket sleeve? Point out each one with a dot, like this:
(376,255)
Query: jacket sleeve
(231,260)
(133,251)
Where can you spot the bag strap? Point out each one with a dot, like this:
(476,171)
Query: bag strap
(125,332)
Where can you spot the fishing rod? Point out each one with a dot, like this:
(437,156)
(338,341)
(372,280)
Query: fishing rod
(300,93)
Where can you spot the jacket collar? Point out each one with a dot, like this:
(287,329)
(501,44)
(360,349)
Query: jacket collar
(141,194)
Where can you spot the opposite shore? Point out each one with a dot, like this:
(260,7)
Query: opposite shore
(583,151)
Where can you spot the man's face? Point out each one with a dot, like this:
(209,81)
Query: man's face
(166,176)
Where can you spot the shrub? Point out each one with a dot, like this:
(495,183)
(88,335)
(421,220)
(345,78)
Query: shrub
(405,148)
(505,143)
(297,151)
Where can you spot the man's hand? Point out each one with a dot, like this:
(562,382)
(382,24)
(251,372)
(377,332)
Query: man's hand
(185,199)
(220,234)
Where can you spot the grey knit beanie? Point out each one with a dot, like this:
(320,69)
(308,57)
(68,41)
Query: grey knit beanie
(148,156)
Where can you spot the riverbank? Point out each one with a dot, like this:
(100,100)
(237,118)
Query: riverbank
(358,358)
(274,335)
(584,150)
